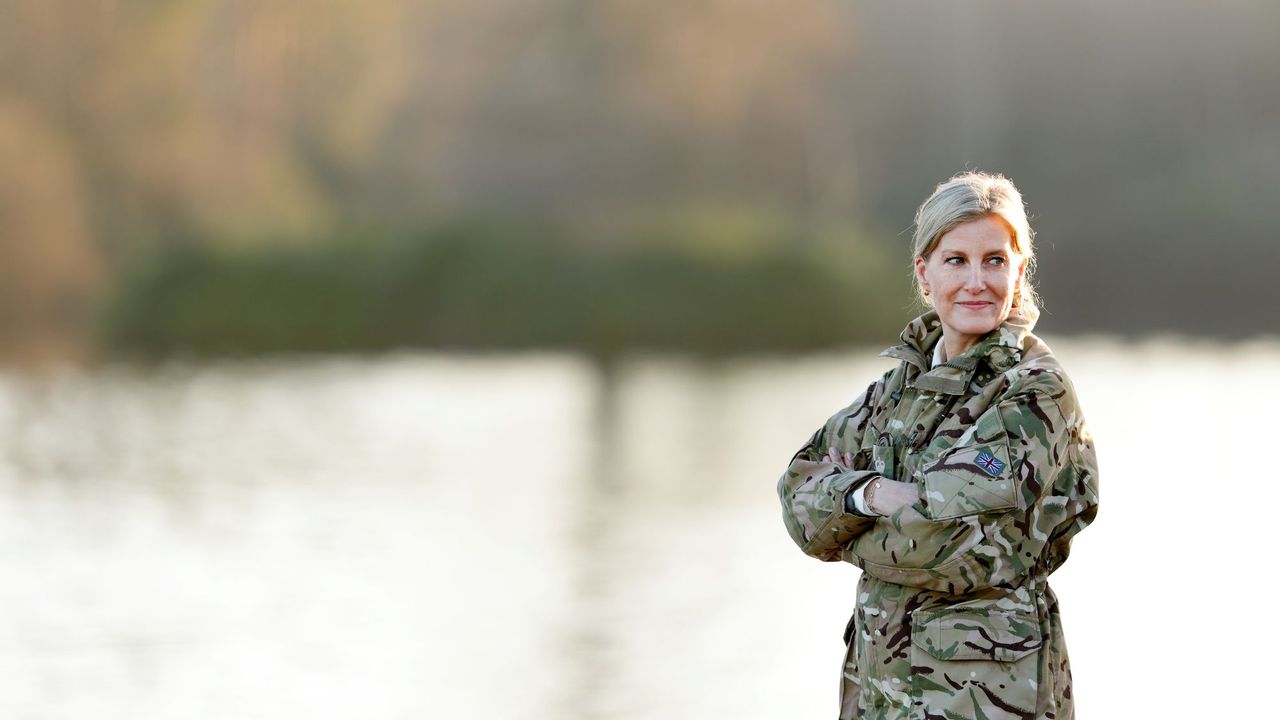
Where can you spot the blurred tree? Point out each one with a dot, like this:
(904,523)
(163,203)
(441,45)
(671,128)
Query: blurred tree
(1147,143)
(50,271)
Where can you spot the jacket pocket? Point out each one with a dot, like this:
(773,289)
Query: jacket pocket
(976,660)
(855,660)
(974,477)
(882,460)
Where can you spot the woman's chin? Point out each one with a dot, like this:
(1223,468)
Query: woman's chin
(971,322)
(973,325)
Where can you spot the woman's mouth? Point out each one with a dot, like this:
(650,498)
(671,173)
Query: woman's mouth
(974,305)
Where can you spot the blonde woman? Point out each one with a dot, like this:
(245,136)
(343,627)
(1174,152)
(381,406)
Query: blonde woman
(955,482)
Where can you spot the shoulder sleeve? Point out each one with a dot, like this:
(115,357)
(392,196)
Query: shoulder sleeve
(813,489)
(1002,504)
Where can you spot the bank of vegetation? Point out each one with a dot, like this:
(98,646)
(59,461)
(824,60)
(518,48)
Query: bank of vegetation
(502,286)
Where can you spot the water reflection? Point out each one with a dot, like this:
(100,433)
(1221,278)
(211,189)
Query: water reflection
(538,536)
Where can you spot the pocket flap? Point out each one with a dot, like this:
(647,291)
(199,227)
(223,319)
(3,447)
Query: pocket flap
(977,634)
(974,477)
(882,460)
(968,481)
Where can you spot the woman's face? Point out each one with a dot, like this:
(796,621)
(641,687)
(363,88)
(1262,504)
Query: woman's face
(971,276)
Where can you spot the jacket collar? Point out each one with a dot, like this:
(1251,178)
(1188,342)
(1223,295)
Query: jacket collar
(1001,348)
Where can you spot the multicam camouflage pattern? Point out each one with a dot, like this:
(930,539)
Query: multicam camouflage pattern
(954,618)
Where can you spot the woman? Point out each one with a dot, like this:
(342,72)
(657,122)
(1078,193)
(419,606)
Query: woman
(956,482)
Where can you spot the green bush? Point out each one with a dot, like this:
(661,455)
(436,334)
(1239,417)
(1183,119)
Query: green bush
(508,286)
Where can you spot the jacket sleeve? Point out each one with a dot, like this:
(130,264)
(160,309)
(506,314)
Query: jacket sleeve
(1004,502)
(812,489)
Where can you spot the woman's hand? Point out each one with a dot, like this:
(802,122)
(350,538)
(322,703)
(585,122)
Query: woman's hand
(845,459)
(890,496)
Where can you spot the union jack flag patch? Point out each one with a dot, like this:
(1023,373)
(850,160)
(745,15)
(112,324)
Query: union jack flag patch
(988,462)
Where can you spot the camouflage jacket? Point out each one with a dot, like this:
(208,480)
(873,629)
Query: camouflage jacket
(954,618)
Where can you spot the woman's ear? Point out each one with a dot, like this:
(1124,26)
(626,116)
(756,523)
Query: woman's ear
(920,264)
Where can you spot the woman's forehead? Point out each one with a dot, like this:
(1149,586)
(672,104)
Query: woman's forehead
(985,235)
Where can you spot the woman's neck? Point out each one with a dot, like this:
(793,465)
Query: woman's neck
(955,346)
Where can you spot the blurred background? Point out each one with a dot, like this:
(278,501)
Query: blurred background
(408,359)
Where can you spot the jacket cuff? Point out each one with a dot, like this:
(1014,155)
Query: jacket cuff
(855,502)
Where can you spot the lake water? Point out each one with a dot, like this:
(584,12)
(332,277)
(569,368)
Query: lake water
(425,536)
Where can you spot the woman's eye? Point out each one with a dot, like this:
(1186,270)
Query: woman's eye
(955,260)
(996,261)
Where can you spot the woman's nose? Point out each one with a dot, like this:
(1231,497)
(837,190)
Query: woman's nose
(974,280)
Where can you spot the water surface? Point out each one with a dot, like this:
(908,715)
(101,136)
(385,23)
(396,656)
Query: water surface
(536,537)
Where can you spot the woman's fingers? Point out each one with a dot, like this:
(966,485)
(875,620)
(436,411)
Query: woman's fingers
(839,458)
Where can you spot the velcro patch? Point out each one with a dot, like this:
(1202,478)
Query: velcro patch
(990,463)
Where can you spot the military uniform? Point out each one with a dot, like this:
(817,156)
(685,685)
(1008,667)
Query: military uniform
(954,618)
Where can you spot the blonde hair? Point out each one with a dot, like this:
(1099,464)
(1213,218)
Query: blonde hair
(972,196)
